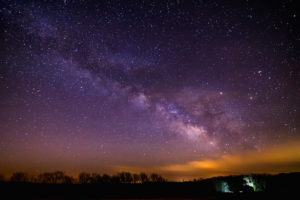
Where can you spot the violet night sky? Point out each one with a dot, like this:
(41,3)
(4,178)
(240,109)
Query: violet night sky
(104,86)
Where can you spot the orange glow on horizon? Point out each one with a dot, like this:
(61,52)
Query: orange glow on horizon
(283,158)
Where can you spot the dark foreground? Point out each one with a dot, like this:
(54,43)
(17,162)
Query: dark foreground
(134,191)
(284,186)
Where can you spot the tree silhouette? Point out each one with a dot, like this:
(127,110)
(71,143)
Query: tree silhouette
(96,178)
(19,177)
(57,177)
(69,180)
(45,178)
(157,178)
(125,177)
(144,177)
(136,178)
(106,178)
(84,178)
(33,179)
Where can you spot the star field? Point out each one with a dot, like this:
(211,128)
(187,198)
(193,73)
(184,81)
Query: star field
(109,85)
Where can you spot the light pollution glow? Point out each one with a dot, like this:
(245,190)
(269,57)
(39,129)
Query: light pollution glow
(279,159)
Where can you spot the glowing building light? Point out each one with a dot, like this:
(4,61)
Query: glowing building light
(250,182)
(223,187)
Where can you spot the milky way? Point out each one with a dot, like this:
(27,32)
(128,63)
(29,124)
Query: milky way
(95,85)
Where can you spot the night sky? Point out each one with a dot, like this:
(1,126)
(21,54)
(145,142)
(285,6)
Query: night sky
(181,88)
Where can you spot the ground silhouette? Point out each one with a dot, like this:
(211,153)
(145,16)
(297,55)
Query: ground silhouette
(141,185)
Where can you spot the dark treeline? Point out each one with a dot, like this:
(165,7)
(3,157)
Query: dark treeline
(60,177)
(127,185)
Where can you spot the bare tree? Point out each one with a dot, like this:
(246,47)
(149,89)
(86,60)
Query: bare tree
(19,177)
(84,178)
(136,178)
(106,178)
(96,178)
(33,179)
(69,180)
(45,178)
(157,178)
(57,177)
(144,177)
(125,177)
